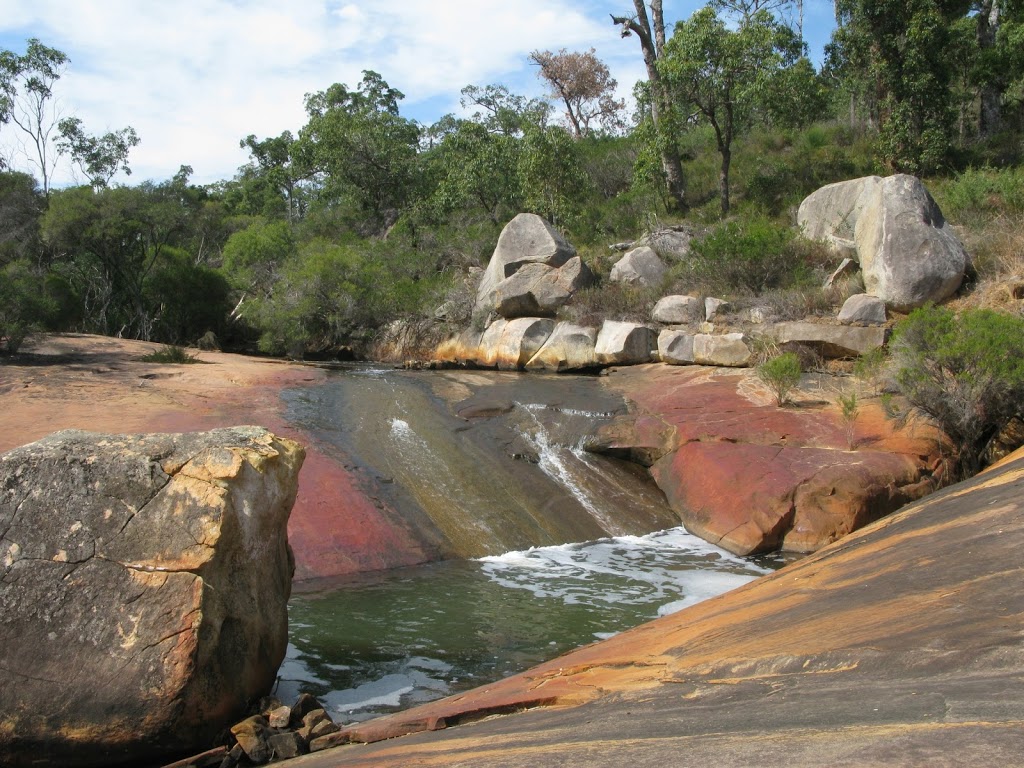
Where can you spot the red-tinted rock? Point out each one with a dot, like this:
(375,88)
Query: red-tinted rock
(752,477)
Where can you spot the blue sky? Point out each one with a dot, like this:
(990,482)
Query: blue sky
(193,77)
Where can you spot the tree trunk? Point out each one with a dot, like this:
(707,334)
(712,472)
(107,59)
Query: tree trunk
(652,42)
(723,180)
(990,115)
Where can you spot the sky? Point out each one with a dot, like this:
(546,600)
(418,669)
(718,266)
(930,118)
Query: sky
(194,77)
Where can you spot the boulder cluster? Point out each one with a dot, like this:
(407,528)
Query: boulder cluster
(276,732)
(891,228)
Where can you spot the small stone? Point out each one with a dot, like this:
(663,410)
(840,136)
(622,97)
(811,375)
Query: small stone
(863,308)
(284,746)
(322,728)
(267,705)
(713,306)
(677,309)
(316,716)
(280,717)
(234,757)
(251,735)
(303,705)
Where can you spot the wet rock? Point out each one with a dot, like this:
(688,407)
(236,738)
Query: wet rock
(279,717)
(303,705)
(160,562)
(251,735)
(284,746)
(752,477)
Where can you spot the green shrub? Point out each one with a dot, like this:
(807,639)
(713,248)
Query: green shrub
(966,372)
(24,304)
(751,253)
(172,355)
(780,374)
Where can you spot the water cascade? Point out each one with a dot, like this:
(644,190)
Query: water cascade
(488,469)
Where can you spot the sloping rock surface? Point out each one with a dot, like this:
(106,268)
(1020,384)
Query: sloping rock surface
(752,477)
(144,584)
(898,646)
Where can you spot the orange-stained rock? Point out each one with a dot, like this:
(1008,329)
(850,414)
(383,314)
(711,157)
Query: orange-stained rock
(77,381)
(752,477)
(900,645)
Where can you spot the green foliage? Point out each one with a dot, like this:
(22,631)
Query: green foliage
(870,368)
(780,374)
(171,355)
(725,75)
(21,205)
(966,372)
(360,150)
(752,253)
(884,53)
(849,409)
(982,193)
(189,299)
(24,304)
(254,255)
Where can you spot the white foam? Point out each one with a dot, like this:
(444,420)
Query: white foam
(671,569)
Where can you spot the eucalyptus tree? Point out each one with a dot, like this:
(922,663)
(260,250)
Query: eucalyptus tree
(650,31)
(360,150)
(272,168)
(583,83)
(98,157)
(722,74)
(893,58)
(27,103)
(107,244)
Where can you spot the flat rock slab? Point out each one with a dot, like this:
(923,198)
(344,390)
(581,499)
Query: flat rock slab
(900,645)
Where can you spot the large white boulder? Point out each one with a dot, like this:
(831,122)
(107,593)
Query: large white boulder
(641,266)
(908,254)
(727,349)
(676,310)
(622,343)
(527,239)
(570,347)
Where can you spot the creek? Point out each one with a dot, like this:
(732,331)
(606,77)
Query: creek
(489,470)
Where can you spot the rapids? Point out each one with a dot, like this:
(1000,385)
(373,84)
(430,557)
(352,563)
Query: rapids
(488,469)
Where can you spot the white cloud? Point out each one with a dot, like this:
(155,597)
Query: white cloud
(195,76)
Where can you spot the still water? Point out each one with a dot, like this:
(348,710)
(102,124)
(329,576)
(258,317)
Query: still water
(388,641)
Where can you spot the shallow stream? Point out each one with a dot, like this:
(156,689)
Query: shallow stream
(491,466)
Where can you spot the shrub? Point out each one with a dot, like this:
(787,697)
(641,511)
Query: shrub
(24,305)
(172,355)
(751,253)
(966,372)
(780,375)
